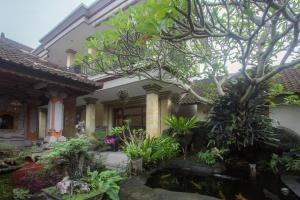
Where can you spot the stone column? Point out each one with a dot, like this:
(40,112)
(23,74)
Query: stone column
(71,54)
(152,110)
(90,115)
(42,122)
(55,113)
(165,109)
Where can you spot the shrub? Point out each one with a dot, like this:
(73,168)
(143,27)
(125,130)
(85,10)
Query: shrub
(211,156)
(181,125)
(7,150)
(70,155)
(106,181)
(21,194)
(152,150)
(35,181)
(157,149)
(284,163)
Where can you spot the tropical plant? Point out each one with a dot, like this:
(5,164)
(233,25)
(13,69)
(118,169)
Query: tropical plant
(133,150)
(106,182)
(152,150)
(70,154)
(240,126)
(168,41)
(118,130)
(211,156)
(284,163)
(21,194)
(158,149)
(181,125)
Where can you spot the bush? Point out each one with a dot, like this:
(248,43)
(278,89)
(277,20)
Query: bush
(285,163)
(70,155)
(211,156)
(35,181)
(21,194)
(181,125)
(152,150)
(106,181)
(7,150)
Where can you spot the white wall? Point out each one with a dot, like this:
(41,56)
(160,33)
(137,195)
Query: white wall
(287,116)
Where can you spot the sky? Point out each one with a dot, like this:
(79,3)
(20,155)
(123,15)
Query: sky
(27,21)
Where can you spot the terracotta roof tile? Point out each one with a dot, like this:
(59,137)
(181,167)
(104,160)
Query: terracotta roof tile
(11,53)
(289,78)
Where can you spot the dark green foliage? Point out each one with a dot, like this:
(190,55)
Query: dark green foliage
(241,124)
(181,125)
(152,150)
(106,182)
(69,155)
(287,162)
(7,150)
(6,189)
(21,194)
(211,156)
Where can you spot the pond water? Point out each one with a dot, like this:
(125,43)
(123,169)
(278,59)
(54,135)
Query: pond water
(223,187)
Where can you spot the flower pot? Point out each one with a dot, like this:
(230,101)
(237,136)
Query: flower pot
(136,166)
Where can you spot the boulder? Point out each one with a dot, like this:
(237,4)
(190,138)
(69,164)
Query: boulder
(288,138)
(110,160)
(67,186)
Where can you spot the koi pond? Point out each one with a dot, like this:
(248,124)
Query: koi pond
(220,186)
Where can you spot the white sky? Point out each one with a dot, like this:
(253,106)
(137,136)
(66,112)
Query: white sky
(27,21)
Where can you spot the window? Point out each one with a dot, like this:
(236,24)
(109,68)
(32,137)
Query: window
(6,122)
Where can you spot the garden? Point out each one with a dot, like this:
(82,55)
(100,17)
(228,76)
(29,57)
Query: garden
(237,153)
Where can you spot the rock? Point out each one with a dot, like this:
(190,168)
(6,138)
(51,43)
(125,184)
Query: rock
(292,182)
(192,166)
(270,195)
(67,186)
(111,160)
(288,138)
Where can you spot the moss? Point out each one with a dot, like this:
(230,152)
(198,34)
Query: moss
(53,192)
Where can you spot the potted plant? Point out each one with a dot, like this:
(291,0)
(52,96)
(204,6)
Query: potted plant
(181,129)
(113,138)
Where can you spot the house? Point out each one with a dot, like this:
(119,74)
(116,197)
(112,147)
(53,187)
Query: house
(45,93)
(38,98)
(144,102)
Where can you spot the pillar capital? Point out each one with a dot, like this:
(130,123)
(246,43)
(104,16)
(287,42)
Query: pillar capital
(54,93)
(165,95)
(71,51)
(152,88)
(90,100)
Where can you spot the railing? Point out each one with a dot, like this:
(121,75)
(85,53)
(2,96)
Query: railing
(85,70)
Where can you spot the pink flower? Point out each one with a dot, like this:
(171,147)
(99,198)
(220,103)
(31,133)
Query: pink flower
(109,140)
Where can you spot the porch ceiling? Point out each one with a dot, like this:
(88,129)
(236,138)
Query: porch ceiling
(134,88)
(21,88)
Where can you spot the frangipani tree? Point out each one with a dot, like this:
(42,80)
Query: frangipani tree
(173,41)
